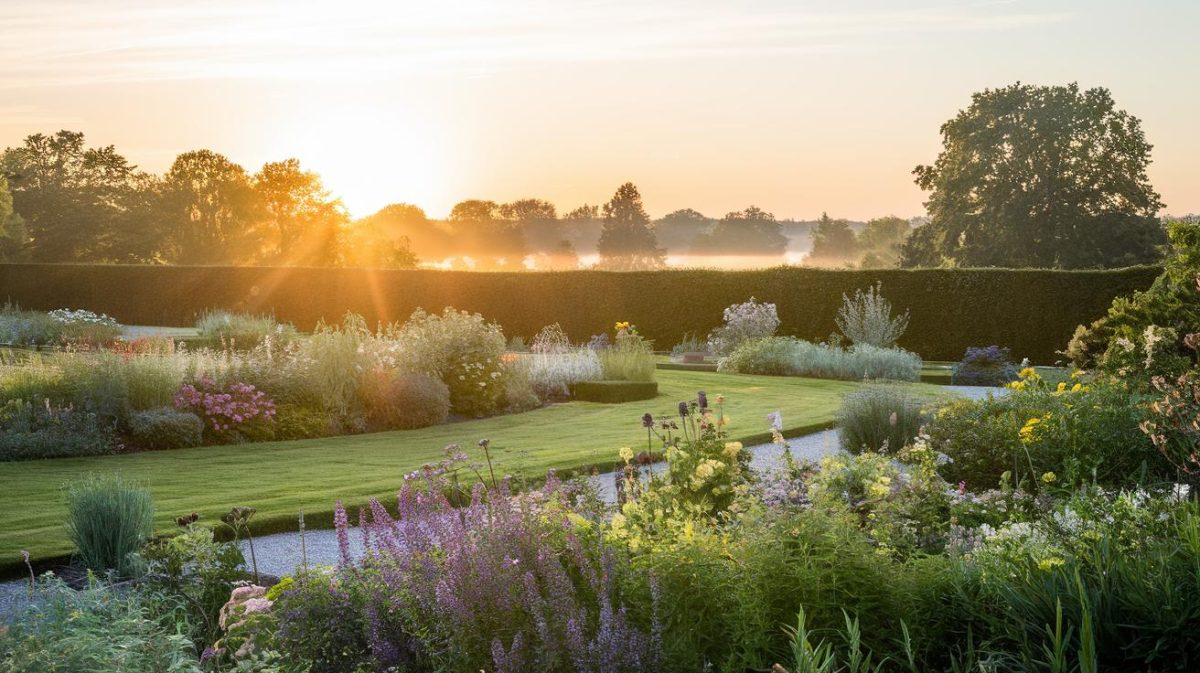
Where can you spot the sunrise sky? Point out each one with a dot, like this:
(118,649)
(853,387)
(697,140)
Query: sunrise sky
(798,107)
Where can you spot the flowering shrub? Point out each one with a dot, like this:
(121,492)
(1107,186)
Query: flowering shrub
(47,430)
(1079,432)
(242,330)
(1173,423)
(984,366)
(464,351)
(551,373)
(505,583)
(744,322)
(230,410)
(867,319)
(395,400)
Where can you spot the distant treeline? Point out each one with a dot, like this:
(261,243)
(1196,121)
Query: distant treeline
(62,201)
(1034,312)
(1028,177)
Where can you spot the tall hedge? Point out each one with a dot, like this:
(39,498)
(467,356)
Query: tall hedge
(1033,312)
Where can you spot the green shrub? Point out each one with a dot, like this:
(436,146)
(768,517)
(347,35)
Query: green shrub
(242,330)
(29,430)
(787,356)
(336,360)
(28,328)
(1116,580)
(108,521)
(1089,434)
(166,428)
(984,366)
(614,392)
(631,358)
(464,351)
(398,401)
(98,629)
(879,418)
(150,381)
(293,421)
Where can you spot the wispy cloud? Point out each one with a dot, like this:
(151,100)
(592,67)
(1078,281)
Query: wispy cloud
(72,42)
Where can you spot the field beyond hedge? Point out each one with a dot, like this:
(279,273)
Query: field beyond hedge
(280,478)
(1033,312)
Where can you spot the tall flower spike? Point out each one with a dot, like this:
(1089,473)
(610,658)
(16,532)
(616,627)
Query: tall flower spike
(702,400)
(683,409)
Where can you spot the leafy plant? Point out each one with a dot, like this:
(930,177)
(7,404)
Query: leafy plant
(166,428)
(97,629)
(108,520)
(464,351)
(243,331)
(395,400)
(879,418)
(866,318)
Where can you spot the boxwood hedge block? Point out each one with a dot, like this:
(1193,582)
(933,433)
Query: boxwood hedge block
(1033,312)
(614,392)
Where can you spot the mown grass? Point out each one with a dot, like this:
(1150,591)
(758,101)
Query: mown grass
(280,478)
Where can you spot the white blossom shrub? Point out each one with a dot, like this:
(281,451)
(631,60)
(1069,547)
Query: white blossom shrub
(743,322)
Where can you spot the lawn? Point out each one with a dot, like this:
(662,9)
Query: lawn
(280,478)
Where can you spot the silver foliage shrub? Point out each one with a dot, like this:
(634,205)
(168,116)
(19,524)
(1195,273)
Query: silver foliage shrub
(866,318)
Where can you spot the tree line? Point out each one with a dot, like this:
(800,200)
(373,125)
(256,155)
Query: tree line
(1029,176)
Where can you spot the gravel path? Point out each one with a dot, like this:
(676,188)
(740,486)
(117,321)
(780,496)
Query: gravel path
(280,554)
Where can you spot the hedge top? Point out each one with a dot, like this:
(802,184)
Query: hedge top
(1033,312)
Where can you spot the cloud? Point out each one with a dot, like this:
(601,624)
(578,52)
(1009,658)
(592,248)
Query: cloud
(72,42)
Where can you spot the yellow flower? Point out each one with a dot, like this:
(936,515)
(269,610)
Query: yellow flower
(1078,388)
(626,454)
(1049,478)
(732,449)
(1048,564)
(1028,373)
(1062,387)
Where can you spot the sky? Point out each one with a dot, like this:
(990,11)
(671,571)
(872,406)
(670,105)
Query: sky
(797,107)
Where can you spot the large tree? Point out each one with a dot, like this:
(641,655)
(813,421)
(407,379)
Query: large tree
(482,232)
(880,240)
(212,209)
(75,200)
(383,240)
(752,231)
(834,243)
(301,222)
(1039,176)
(13,236)
(626,240)
(679,229)
(538,221)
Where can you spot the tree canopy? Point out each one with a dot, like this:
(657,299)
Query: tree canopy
(752,231)
(626,239)
(1039,176)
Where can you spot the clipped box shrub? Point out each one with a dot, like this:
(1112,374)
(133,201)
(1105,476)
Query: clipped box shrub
(294,421)
(614,392)
(165,428)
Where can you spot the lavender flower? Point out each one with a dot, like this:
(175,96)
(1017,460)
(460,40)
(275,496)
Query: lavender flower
(702,400)
(683,409)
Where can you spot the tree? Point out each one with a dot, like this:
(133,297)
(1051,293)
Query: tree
(383,240)
(301,222)
(752,231)
(482,232)
(13,236)
(212,209)
(1039,176)
(880,241)
(72,198)
(679,230)
(833,242)
(538,223)
(581,227)
(626,240)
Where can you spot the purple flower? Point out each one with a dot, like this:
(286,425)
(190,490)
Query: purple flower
(647,421)
(702,400)
(683,409)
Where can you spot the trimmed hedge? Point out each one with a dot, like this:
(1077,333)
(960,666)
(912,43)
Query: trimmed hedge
(1033,312)
(614,392)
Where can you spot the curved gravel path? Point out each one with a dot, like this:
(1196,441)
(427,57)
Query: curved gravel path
(280,554)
